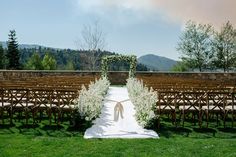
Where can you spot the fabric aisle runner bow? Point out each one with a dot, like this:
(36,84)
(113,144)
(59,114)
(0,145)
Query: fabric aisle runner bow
(118,109)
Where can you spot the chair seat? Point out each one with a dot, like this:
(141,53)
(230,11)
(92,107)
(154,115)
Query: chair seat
(230,107)
(47,105)
(162,107)
(188,107)
(24,105)
(211,107)
(5,104)
(68,107)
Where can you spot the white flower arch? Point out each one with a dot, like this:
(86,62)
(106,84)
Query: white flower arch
(132,59)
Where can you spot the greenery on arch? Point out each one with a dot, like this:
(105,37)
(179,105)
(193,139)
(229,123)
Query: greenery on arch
(132,59)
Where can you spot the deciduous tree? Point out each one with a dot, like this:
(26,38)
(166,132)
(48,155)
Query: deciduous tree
(224,46)
(49,63)
(34,62)
(93,40)
(195,45)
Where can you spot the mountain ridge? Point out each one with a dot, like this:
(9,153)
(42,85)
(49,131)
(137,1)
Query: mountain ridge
(27,46)
(157,63)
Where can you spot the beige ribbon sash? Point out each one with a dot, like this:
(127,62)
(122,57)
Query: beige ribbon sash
(118,109)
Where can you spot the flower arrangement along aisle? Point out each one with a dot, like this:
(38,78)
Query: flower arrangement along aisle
(144,101)
(89,103)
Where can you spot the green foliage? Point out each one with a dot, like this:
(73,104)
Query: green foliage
(2,57)
(180,67)
(13,55)
(224,46)
(203,48)
(111,59)
(68,59)
(195,45)
(34,62)
(70,65)
(78,58)
(48,62)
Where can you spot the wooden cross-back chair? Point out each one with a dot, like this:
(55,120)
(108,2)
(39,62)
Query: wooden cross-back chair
(63,99)
(2,104)
(216,103)
(192,102)
(15,100)
(166,103)
(230,107)
(42,98)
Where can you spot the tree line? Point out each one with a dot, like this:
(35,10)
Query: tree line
(43,58)
(203,48)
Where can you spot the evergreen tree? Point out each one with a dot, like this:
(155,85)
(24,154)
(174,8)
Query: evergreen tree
(141,67)
(13,55)
(34,62)
(224,46)
(2,57)
(195,45)
(49,63)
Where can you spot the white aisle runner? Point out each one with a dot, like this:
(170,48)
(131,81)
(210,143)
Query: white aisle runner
(106,127)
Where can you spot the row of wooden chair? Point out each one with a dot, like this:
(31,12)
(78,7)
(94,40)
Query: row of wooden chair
(35,100)
(204,99)
(188,82)
(38,97)
(198,103)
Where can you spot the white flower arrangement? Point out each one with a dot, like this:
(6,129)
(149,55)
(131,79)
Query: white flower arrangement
(144,101)
(89,103)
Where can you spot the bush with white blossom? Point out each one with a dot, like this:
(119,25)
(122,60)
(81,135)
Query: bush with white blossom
(89,103)
(144,101)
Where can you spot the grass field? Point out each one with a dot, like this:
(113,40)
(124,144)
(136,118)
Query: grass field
(53,141)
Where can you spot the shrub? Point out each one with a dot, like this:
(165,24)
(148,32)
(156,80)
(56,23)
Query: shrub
(89,103)
(144,101)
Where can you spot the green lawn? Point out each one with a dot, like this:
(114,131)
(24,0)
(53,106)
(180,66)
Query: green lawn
(42,141)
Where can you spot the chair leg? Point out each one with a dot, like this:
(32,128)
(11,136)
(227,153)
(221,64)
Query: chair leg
(200,119)
(225,116)
(50,118)
(183,118)
(232,118)
(193,118)
(26,116)
(158,123)
(207,118)
(11,116)
(175,123)
(1,117)
(180,117)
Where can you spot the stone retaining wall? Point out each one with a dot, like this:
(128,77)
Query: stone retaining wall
(117,78)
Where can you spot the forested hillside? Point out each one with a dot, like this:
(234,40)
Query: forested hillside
(67,59)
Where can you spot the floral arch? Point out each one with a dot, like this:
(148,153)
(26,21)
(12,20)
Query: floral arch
(132,59)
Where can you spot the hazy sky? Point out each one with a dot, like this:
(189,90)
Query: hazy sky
(131,26)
